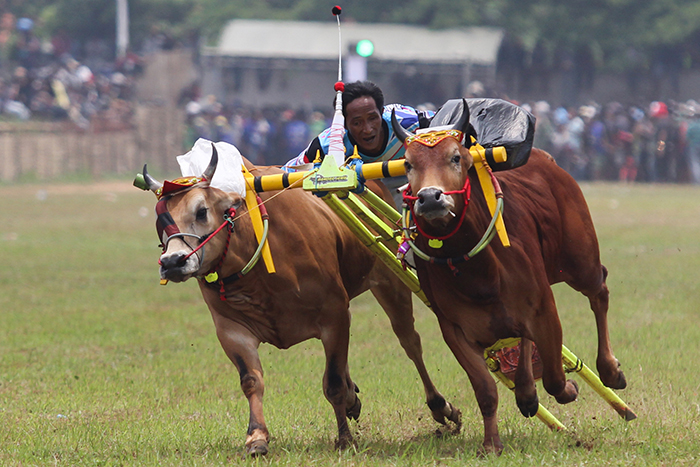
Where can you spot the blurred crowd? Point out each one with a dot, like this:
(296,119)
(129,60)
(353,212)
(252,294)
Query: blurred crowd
(42,79)
(657,142)
(269,136)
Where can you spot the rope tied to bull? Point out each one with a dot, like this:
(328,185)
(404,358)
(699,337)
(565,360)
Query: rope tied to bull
(408,235)
(410,200)
(213,276)
(228,221)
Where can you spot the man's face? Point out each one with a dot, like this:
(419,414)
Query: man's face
(364,122)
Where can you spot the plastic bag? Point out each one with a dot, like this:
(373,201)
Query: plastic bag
(496,123)
(227,177)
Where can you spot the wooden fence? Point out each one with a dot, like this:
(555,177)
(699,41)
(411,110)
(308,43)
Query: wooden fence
(50,150)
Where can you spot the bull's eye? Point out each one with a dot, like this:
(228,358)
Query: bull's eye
(456,158)
(202,214)
(407,165)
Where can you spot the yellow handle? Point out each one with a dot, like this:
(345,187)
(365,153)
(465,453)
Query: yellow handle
(256,219)
(374,170)
(370,170)
(479,154)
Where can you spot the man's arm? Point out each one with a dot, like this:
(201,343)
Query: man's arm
(309,154)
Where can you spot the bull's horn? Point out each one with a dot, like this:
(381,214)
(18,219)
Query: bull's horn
(209,172)
(401,132)
(152,184)
(464,118)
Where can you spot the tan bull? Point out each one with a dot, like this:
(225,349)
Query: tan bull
(504,292)
(320,266)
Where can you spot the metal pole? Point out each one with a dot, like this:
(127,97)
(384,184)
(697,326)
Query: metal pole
(122,27)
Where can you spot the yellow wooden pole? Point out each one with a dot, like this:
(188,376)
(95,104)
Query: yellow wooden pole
(364,213)
(543,414)
(573,364)
(382,206)
(373,242)
(491,361)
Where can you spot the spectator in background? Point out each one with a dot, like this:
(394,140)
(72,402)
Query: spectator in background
(222,130)
(663,167)
(587,113)
(616,129)
(256,134)
(296,135)
(596,145)
(61,43)
(544,130)
(642,142)
(561,151)
(692,137)
(28,47)
(318,123)
(8,38)
(22,85)
(576,128)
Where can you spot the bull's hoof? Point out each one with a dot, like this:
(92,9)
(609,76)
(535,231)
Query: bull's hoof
(353,413)
(528,407)
(619,383)
(256,448)
(569,394)
(490,449)
(614,379)
(448,412)
(343,442)
(455,417)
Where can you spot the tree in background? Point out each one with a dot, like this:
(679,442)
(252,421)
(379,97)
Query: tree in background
(89,20)
(606,30)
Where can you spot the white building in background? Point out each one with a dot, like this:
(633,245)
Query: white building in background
(261,63)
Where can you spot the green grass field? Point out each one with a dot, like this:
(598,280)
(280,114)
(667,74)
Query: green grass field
(99,365)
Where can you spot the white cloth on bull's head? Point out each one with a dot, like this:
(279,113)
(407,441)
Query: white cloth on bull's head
(228,175)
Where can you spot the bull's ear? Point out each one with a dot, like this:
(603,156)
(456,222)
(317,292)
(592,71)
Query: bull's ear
(230,200)
(236,200)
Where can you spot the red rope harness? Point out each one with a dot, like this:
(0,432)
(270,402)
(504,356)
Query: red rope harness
(466,191)
(223,281)
(228,216)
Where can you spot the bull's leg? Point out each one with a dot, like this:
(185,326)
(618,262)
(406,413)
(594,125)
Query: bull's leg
(242,348)
(608,366)
(337,385)
(472,360)
(547,336)
(581,269)
(525,390)
(395,299)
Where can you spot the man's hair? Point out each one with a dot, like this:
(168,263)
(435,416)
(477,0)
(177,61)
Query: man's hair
(359,89)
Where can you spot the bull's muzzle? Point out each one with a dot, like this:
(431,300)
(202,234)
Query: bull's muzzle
(433,204)
(173,261)
(177,267)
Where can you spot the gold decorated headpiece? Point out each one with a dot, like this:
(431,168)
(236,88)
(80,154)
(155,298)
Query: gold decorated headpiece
(432,138)
(176,185)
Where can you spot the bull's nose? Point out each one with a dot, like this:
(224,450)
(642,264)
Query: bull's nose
(430,199)
(172,261)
